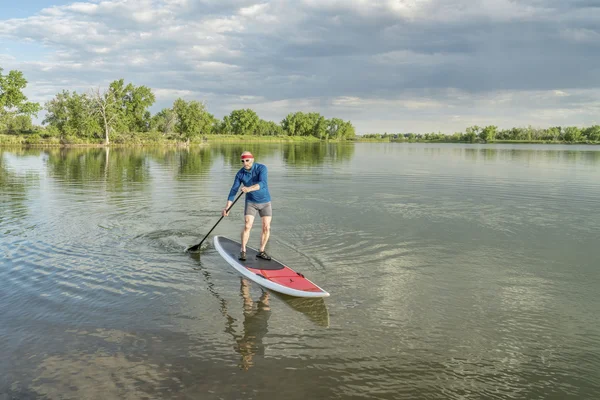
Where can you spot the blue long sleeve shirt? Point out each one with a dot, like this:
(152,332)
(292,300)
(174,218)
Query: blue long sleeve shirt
(256,175)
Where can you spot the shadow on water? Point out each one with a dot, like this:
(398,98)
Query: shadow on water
(256,314)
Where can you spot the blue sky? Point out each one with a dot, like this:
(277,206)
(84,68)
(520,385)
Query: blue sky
(386,65)
(23,9)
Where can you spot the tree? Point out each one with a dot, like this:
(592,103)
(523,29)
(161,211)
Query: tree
(192,118)
(13,102)
(225,127)
(572,134)
(243,122)
(319,124)
(133,103)
(488,133)
(20,123)
(472,133)
(72,114)
(269,128)
(164,121)
(105,105)
(592,133)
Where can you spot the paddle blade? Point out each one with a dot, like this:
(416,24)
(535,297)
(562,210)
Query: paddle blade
(193,248)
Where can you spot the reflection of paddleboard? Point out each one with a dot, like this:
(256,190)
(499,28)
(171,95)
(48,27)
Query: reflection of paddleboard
(268,273)
(314,309)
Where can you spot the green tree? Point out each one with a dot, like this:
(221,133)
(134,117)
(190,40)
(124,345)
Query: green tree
(572,134)
(553,133)
(296,124)
(318,125)
(488,133)
(243,122)
(472,133)
(269,128)
(106,106)
(13,102)
(133,104)
(164,121)
(592,133)
(225,127)
(72,114)
(192,119)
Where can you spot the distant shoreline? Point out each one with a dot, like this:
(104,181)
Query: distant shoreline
(25,140)
(475,142)
(20,140)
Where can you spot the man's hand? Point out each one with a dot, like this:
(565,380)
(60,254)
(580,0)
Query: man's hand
(246,189)
(225,213)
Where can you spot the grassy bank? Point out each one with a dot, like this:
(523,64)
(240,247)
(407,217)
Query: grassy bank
(388,140)
(252,138)
(145,139)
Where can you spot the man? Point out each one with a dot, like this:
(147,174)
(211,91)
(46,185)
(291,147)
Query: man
(253,177)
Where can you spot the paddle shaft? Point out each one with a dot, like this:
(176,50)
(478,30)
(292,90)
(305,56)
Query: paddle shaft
(194,248)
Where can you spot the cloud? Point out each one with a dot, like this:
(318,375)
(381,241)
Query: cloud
(378,63)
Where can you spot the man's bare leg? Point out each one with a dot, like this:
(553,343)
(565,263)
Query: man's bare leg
(266,232)
(249,220)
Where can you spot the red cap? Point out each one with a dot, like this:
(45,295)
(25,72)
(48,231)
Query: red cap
(245,156)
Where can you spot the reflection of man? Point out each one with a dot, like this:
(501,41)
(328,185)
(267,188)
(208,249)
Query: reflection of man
(255,326)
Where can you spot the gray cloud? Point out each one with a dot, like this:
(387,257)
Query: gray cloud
(434,65)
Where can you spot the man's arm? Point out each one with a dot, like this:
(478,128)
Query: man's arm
(236,185)
(262,181)
(234,188)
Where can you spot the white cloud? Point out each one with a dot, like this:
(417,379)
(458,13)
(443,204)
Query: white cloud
(254,10)
(85,8)
(429,65)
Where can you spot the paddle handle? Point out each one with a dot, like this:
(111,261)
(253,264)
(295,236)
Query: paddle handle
(196,247)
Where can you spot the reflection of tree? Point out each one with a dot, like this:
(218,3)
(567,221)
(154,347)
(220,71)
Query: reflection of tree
(118,168)
(530,156)
(311,154)
(13,189)
(231,152)
(194,162)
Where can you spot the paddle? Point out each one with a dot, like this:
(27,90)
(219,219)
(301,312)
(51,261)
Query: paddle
(196,247)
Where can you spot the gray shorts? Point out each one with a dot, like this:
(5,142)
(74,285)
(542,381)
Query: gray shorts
(263,209)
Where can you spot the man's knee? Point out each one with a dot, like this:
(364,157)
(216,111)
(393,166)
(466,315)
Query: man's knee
(248,226)
(266,228)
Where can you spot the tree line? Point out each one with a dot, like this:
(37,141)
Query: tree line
(491,133)
(123,108)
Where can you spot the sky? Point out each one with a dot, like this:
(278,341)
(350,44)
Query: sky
(385,65)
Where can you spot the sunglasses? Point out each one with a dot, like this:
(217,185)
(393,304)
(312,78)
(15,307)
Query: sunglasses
(246,160)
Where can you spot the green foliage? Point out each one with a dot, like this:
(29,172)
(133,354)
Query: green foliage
(120,113)
(314,124)
(71,114)
(491,133)
(15,110)
(488,133)
(132,103)
(192,119)
(592,133)
(572,134)
(243,122)
(164,121)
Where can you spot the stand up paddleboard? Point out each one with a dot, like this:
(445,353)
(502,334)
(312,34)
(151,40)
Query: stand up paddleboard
(268,273)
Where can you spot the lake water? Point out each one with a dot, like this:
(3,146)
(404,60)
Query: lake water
(455,272)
